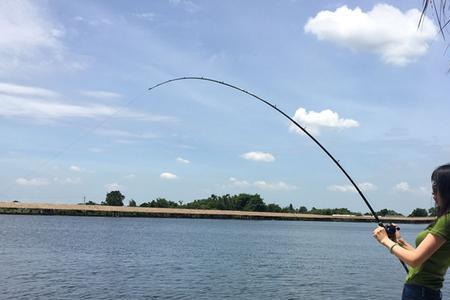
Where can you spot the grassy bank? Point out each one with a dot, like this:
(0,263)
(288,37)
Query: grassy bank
(120,211)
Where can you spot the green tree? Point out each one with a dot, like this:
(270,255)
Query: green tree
(242,201)
(419,212)
(388,212)
(272,207)
(333,211)
(132,203)
(303,210)
(289,209)
(161,203)
(382,212)
(114,198)
(253,203)
(432,212)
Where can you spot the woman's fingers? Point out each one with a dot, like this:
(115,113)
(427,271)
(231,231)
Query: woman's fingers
(379,234)
(377,230)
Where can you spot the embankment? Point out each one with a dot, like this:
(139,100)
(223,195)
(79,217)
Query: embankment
(117,211)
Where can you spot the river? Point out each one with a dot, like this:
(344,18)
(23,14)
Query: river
(61,257)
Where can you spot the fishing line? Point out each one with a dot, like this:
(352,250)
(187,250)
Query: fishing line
(377,219)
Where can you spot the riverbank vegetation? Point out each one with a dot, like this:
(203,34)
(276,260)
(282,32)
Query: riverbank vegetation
(248,202)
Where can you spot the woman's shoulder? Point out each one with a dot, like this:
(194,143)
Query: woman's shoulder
(445,218)
(441,226)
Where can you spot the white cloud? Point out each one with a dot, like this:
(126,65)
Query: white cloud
(261,184)
(100,21)
(405,187)
(341,188)
(187,5)
(402,187)
(182,160)
(96,150)
(314,121)
(24,27)
(43,109)
(67,180)
(364,187)
(125,134)
(113,187)
(258,156)
(75,168)
(148,16)
(101,94)
(12,106)
(384,30)
(367,187)
(78,169)
(30,39)
(238,183)
(168,176)
(276,186)
(32,181)
(15,89)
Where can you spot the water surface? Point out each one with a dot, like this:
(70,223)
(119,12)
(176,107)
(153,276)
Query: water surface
(60,257)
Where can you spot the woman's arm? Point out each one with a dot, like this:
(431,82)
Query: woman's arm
(402,242)
(413,257)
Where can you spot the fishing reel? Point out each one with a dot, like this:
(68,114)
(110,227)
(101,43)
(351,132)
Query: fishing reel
(391,229)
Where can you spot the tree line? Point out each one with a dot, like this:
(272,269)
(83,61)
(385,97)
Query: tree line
(248,202)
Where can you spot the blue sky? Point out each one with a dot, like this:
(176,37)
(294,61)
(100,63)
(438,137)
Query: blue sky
(77,119)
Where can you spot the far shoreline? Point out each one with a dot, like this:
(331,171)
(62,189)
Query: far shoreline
(17,208)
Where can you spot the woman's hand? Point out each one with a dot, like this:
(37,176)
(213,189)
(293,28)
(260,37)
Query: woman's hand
(380,235)
(398,236)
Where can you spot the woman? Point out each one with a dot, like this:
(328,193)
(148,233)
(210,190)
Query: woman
(430,259)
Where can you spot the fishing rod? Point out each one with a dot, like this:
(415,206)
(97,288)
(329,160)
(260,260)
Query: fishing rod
(389,228)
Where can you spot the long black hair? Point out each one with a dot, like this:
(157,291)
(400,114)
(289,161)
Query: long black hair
(440,179)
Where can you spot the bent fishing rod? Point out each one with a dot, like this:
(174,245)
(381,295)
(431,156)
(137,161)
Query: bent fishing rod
(377,219)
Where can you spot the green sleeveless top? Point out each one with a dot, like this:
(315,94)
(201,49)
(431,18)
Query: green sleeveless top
(431,273)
